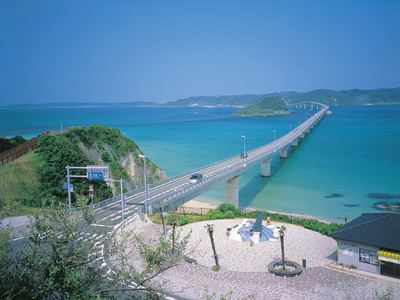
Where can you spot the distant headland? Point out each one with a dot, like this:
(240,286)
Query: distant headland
(325,96)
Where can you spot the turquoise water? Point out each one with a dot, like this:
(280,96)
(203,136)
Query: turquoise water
(353,152)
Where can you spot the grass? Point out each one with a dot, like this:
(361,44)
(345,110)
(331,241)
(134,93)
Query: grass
(19,185)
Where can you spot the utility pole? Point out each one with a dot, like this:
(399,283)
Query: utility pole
(145,181)
(69,188)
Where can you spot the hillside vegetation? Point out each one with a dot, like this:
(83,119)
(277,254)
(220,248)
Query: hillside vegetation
(326,96)
(36,179)
(269,106)
(19,185)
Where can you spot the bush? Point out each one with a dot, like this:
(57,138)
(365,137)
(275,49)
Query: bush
(226,207)
(320,227)
(216,214)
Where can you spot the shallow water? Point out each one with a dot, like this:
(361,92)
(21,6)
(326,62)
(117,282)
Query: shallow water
(338,171)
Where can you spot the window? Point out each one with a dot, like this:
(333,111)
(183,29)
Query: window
(368,256)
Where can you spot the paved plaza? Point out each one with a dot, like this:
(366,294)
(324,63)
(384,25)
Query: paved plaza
(244,273)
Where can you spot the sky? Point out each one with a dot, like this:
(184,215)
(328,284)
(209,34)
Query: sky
(114,51)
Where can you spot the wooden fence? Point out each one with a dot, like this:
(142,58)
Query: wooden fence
(13,153)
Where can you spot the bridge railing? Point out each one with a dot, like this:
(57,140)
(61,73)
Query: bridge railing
(107,202)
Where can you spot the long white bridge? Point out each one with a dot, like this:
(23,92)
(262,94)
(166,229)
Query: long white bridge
(172,192)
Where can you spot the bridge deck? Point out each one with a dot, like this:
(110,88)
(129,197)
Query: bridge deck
(174,191)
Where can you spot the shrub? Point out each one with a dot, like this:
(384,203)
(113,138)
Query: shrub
(225,207)
(320,227)
(216,214)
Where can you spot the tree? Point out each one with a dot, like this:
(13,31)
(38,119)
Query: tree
(174,220)
(59,262)
(156,258)
(56,264)
(210,229)
(282,230)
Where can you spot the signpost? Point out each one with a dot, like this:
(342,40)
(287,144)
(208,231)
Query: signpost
(92,173)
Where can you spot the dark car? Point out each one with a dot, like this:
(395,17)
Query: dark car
(243,155)
(195,178)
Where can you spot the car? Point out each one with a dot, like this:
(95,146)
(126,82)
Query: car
(195,178)
(243,155)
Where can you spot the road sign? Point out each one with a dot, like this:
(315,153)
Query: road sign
(97,173)
(65,186)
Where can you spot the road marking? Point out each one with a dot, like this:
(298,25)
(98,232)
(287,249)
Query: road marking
(101,225)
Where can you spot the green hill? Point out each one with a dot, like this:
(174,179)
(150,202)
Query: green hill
(36,179)
(326,96)
(269,106)
(20,186)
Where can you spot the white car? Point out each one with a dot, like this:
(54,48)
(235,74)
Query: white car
(195,178)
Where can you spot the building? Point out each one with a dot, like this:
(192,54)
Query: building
(371,243)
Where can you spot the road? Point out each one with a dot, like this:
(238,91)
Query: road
(178,189)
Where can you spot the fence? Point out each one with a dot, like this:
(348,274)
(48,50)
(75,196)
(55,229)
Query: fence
(192,210)
(13,153)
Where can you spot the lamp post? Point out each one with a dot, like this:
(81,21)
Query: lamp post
(145,181)
(122,200)
(274,134)
(290,127)
(244,145)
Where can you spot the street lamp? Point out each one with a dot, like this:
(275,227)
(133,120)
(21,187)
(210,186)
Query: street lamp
(290,127)
(121,184)
(244,145)
(274,133)
(145,181)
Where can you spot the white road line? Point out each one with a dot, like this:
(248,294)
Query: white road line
(101,225)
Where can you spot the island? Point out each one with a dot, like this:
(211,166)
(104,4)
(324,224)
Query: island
(269,106)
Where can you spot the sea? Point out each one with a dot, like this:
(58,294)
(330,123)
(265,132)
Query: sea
(348,165)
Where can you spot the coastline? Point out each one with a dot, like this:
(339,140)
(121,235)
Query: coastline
(262,115)
(208,203)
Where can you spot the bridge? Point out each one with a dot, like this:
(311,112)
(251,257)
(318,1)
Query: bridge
(172,192)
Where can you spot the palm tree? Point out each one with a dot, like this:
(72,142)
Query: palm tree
(210,229)
(282,230)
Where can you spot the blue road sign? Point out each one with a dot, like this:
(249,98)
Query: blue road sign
(96,175)
(65,186)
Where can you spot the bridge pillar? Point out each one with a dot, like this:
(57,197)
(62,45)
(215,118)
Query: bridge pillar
(308,130)
(303,135)
(266,167)
(232,190)
(284,152)
(295,143)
